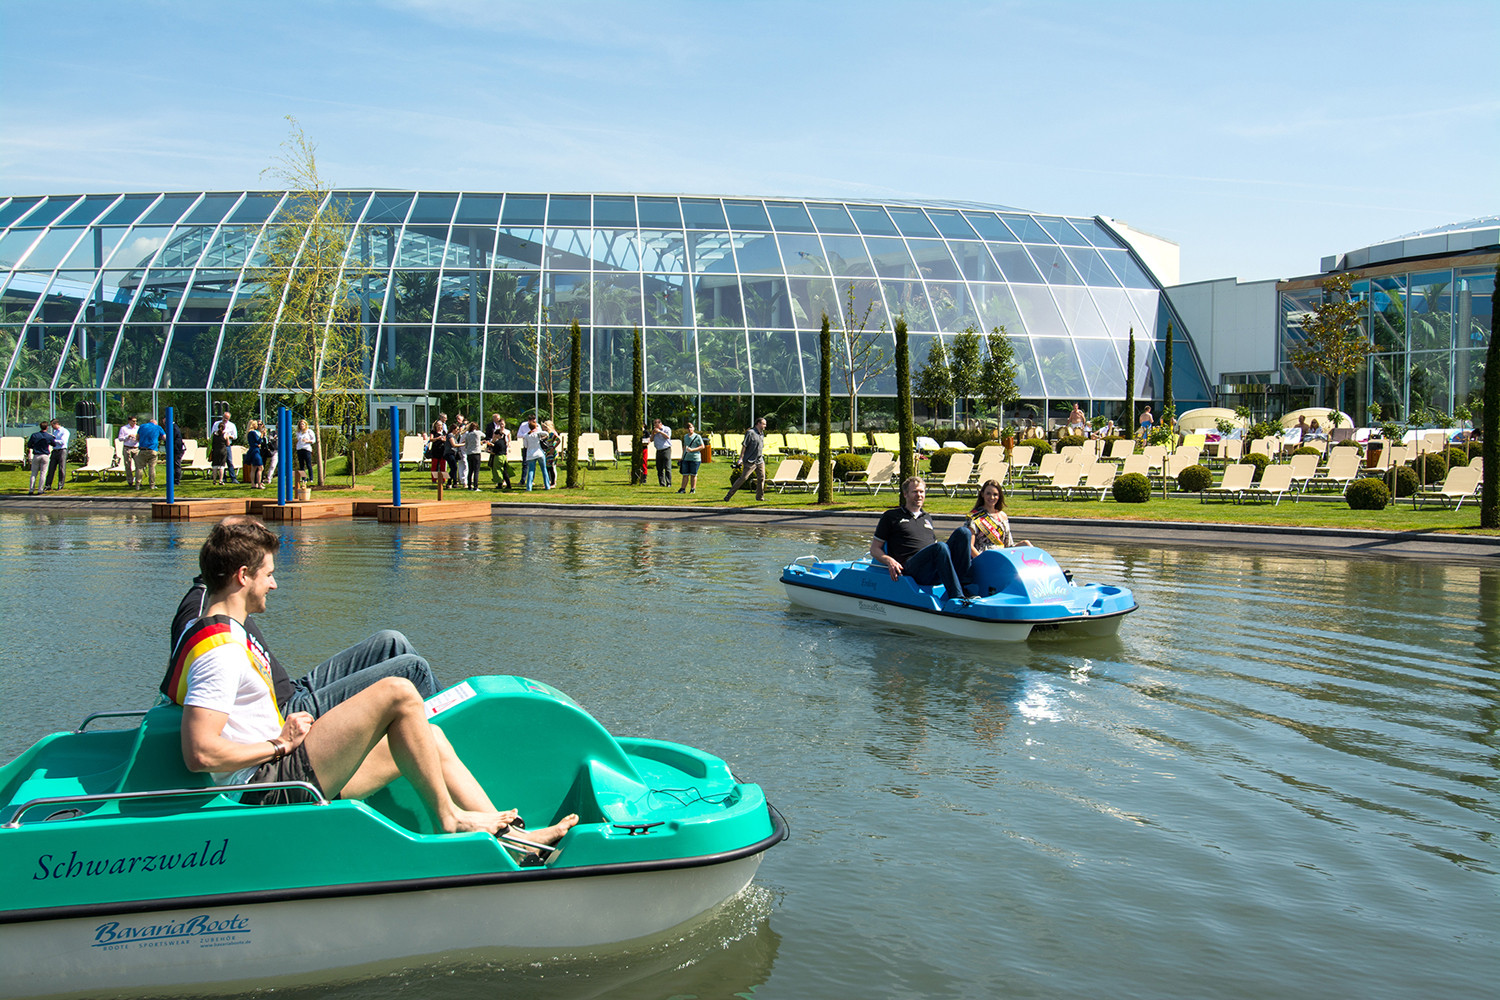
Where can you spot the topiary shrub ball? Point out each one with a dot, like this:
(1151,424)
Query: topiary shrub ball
(938,460)
(1132,488)
(1307,450)
(1195,479)
(847,464)
(1039,447)
(1457,457)
(1259,461)
(1070,440)
(1406,481)
(1432,468)
(1367,494)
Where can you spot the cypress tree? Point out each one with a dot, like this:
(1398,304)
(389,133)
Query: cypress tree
(637,407)
(903,403)
(1489,503)
(575,414)
(1129,423)
(1167,407)
(825,414)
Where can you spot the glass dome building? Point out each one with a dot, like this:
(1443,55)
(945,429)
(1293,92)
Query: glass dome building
(127,303)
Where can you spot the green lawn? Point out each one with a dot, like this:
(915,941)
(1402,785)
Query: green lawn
(610,485)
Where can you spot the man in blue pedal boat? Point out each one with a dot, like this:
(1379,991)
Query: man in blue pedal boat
(233,729)
(906,545)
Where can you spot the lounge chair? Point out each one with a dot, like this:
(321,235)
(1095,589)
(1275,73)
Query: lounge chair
(1304,471)
(1078,454)
(807,482)
(880,472)
(956,477)
(1156,454)
(1066,477)
(1045,467)
(1121,448)
(412,446)
(1020,455)
(13,450)
(786,473)
(1097,482)
(1341,470)
(603,451)
(1461,483)
(1173,466)
(99,458)
(991,465)
(1138,464)
(1276,482)
(1237,479)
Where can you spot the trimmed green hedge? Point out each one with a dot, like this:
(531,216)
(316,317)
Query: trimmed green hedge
(938,460)
(848,463)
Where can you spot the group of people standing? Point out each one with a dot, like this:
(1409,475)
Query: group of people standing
(47,455)
(261,451)
(454,451)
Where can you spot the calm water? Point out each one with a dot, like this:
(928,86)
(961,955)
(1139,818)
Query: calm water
(1280,780)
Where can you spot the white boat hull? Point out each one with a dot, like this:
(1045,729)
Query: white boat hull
(898,616)
(222,948)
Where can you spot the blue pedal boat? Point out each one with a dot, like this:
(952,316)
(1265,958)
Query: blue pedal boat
(1025,592)
(126,872)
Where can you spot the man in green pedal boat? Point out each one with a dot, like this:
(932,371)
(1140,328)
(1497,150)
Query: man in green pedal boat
(232,727)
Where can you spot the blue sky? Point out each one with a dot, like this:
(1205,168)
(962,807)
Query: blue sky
(1260,136)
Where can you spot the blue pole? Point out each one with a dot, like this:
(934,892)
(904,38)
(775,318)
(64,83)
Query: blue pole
(283,459)
(395,455)
(171,460)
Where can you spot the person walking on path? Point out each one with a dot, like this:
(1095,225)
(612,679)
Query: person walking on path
(753,457)
(39,451)
(661,442)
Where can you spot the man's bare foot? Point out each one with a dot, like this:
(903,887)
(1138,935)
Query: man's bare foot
(491,823)
(551,834)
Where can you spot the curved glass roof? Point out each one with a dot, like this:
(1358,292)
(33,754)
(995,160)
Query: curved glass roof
(146,291)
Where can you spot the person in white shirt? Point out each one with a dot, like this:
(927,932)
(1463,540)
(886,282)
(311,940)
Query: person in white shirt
(305,441)
(661,440)
(530,435)
(58,461)
(230,433)
(129,440)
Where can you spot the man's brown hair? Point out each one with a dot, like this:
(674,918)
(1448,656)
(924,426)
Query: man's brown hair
(234,542)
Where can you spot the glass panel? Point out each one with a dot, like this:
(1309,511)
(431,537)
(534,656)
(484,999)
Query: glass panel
(1388,309)
(138,357)
(1095,233)
(518,248)
(775,363)
(876,365)
(478,210)
(716,300)
(41,349)
(1091,267)
(389,207)
(107,300)
(1054,265)
(614,212)
(564,210)
(617,299)
(127,210)
(1059,366)
(659,213)
(159,295)
(211,210)
(725,361)
(1130,273)
(16,208)
(866,310)
(1115,312)
(1475,289)
(208,299)
(509,362)
(64,294)
(50,210)
(191,355)
(88,357)
(663,295)
(951,224)
(613,356)
(412,297)
(1468,377)
(1060,231)
(757,253)
(433,209)
(185,246)
(1432,311)
(812,361)
(1388,374)
(401,358)
(1429,381)
(1187,382)
(345,207)
(847,256)
(1028,375)
(1038,311)
(422,246)
(975,263)
(470,246)
(873,221)
(256,208)
(663,250)
(810,298)
(1145,307)
(48,252)
(990,227)
(702,213)
(909,300)
(892,259)
(87,210)
(789,217)
(912,222)
(671,361)
(457,353)
(745,215)
(1102,368)
(997,308)
(461,298)
(524,210)
(1078,312)
(1025,227)
(565,295)
(15,244)
(767,303)
(230,247)
(711,252)
(1015,264)
(168,210)
(829,218)
(616,249)
(951,305)
(568,249)
(237,366)
(934,262)
(802,254)
(369,289)
(375,246)
(514,296)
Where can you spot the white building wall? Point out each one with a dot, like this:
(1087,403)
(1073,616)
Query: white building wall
(1233,323)
(1162,256)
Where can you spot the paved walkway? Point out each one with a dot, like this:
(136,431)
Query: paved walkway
(1288,540)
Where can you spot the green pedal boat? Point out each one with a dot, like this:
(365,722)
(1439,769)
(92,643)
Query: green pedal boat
(125,872)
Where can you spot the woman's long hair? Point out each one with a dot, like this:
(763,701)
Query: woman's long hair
(979,499)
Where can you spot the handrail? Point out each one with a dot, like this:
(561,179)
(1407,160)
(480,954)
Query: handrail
(259,786)
(113,714)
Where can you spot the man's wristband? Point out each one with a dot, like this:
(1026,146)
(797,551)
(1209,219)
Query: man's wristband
(278,751)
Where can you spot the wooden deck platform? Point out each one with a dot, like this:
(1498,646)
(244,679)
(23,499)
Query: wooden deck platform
(306,510)
(183,510)
(418,511)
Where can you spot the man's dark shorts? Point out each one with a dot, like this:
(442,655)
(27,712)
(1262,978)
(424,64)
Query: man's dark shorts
(293,767)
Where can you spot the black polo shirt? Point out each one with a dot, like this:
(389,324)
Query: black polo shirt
(904,533)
